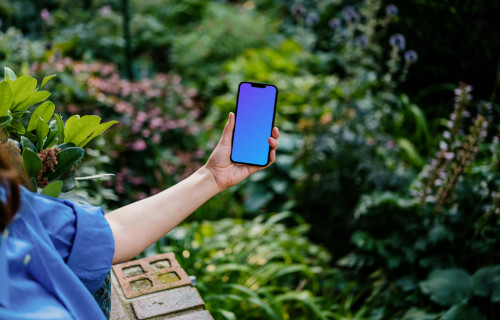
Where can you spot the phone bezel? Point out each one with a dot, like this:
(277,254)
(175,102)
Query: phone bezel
(254,84)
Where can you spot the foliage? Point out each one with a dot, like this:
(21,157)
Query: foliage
(17,51)
(400,244)
(51,150)
(260,269)
(442,231)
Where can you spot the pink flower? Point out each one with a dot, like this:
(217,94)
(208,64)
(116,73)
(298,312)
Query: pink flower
(139,145)
(141,117)
(155,191)
(155,123)
(146,133)
(156,138)
(46,16)
(105,10)
(141,195)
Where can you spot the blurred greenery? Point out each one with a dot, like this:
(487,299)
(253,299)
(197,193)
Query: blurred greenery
(384,201)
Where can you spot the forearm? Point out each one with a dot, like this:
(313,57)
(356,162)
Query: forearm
(138,225)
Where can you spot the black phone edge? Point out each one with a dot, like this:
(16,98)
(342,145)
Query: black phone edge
(272,125)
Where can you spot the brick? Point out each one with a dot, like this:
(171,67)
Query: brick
(167,303)
(198,315)
(148,275)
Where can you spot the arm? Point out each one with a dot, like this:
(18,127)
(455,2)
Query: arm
(138,225)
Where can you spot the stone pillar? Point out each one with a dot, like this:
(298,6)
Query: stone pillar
(154,288)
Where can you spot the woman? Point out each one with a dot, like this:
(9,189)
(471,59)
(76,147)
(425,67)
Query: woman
(54,254)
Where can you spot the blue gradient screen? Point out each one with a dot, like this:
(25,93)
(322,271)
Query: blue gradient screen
(254,121)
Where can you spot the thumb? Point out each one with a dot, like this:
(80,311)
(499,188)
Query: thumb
(227,134)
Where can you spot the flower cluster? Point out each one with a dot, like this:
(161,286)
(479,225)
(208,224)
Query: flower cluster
(155,142)
(456,150)
(49,162)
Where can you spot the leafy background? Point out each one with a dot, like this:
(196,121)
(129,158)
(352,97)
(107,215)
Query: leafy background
(384,201)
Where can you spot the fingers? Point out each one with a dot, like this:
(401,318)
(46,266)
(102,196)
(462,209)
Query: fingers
(273,143)
(227,134)
(275,133)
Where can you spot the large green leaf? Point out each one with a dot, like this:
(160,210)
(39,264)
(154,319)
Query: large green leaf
(46,79)
(6,97)
(43,111)
(5,120)
(81,129)
(99,130)
(31,163)
(22,87)
(42,130)
(9,74)
(69,123)
(463,312)
(486,282)
(66,159)
(53,189)
(448,286)
(27,144)
(34,98)
(16,126)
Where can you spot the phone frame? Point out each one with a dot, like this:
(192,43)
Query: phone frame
(258,85)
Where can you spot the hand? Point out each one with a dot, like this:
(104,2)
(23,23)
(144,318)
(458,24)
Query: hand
(227,173)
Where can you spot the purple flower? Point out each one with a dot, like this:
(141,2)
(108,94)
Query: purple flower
(361,41)
(335,23)
(398,41)
(411,56)
(350,15)
(312,19)
(298,10)
(391,10)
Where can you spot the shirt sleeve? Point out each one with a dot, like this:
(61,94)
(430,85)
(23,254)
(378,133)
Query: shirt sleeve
(82,236)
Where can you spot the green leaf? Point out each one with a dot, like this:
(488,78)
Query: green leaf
(411,152)
(42,130)
(50,138)
(17,127)
(6,97)
(99,130)
(46,79)
(66,159)
(69,123)
(27,144)
(53,189)
(486,282)
(448,286)
(31,163)
(18,114)
(60,128)
(5,120)
(43,111)
(81,129)
(22,87)
(30,136)
(9,74)
(417,314)
(463,312)
(34,98)
(69,181)
(66,145)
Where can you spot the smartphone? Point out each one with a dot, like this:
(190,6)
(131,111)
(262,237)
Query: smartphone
(255,113)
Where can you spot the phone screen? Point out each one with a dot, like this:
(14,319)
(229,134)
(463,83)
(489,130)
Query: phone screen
(255,110)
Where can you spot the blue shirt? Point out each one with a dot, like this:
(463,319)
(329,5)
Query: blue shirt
(53,256)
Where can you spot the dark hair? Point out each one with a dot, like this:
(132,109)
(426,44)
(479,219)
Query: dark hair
(9,182)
